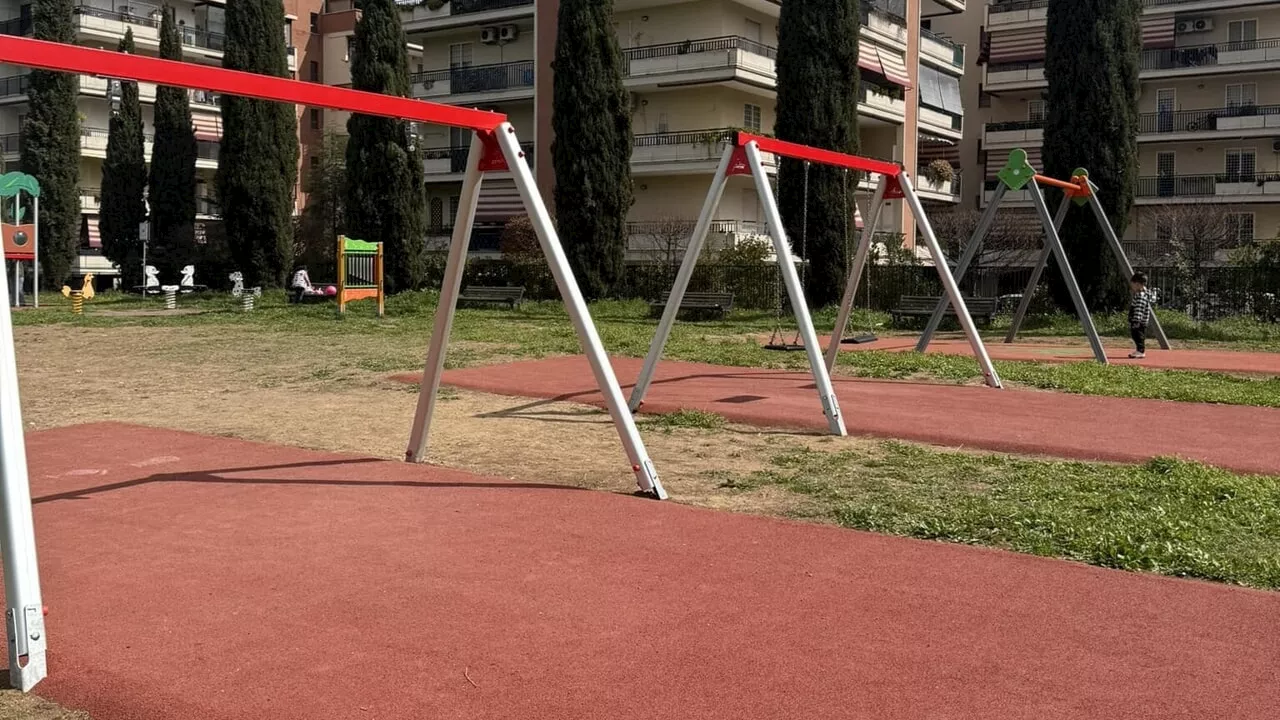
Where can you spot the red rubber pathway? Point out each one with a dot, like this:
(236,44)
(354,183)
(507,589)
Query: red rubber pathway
(1223,361)
(200,578)
(1022,421)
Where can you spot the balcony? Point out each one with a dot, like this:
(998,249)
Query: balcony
(1010,135)
(1240,56)
(683,153)
(1221,187)
(943,52)
(1015,76)
(718,59)
(941,123)
(1002,13)
(10,146)
(437,162)
(942,191)
(886,19)
(490,83)
(1232,122)
(882,103)
(462,13)
(90,200)
(93,142)
(109,24)
(14,87)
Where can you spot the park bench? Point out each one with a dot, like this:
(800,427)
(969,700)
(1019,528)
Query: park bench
(980,308)
(717,303)
(509,296)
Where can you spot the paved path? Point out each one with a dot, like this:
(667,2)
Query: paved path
(1223,361)
(1023,421)
(200,578)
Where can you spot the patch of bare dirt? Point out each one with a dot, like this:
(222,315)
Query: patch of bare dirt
(17,706)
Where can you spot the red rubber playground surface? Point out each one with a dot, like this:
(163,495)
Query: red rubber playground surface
(1223,361)
(1022,421)
(196,578)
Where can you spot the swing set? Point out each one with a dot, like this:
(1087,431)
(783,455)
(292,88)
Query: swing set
(743,157)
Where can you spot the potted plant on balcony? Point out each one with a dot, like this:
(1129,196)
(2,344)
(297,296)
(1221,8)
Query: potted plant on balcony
(939,172)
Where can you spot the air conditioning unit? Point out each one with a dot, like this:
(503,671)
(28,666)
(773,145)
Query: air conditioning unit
(1193,25)
(1275,146)
(507,33)
(489,35)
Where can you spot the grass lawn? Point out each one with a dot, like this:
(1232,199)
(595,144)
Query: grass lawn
(542,329)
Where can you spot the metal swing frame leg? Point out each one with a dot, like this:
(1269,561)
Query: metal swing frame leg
(1042,262)
(962,266)
(504,140)
(24,608)
(1122,259)
(696,242)
(1053,244)
(869,225)
(949,285)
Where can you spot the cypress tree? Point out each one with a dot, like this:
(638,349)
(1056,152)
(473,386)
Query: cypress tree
(258,158)
(173,168)
(51,146)
(818,105)
(1092,122)
(385,193)
(124,182)
(591,149)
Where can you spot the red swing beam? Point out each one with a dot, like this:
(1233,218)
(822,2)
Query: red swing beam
(46,55)
(818,155)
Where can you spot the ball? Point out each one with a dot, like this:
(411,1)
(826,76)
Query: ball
(330,291)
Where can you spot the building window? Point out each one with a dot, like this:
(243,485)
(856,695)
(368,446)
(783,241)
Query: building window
(288,33)
(453,209)
(351,46)
(1164,230)
(664,124)
(459,55)
(1241,164)
(315,118)
(1242,31)
(1242,95)
(437,214)
(1241,227)
(1035,110)
(315,71)
(751,117)
(315,22)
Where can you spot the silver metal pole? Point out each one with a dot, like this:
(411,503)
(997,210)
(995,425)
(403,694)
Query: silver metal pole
(24,609)
(1064,266)
(696,241)
(804,321)
(1042,262)
(970,252)
(869,225)
(949,282)
(1121,257)
(447,304)
(35,249)
(641,465)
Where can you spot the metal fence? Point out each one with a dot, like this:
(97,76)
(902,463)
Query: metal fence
(1208,293)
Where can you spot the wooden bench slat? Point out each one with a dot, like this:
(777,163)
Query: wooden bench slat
(720,302)
(923,306)
(480,294)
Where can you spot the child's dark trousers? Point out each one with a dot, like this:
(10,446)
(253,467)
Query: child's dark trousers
(1139,335)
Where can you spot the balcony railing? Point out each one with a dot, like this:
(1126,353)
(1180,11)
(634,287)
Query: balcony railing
(1232,118)
(479,78)
(15,85)
(10,143)
(97,132)
(1236,184)
(999,6)
(956,49)
(703,54)
(190,36)
(895,11)
(1228,53)
(457,157)
(464,7)
(1015,125)
(16,26)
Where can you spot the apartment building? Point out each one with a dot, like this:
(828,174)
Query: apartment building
(696,70)
(102,24)
(1207,134)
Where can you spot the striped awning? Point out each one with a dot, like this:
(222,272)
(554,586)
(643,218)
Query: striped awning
(95,236)
(890,64)
(929,150)
(499,201)
(997,160)
(207,127)
(1028,43)
(1158,32)
(1016,45)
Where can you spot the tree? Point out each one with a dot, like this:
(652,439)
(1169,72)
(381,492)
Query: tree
(386,193)
(591,149)
(258,157)
(668,237)
(1092,122)
(124,182)
(51,146)
(818,105)
(173,169)
(1190,237)
(324,217)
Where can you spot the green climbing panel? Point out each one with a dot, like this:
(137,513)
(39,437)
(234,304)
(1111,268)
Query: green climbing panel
(351,245)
